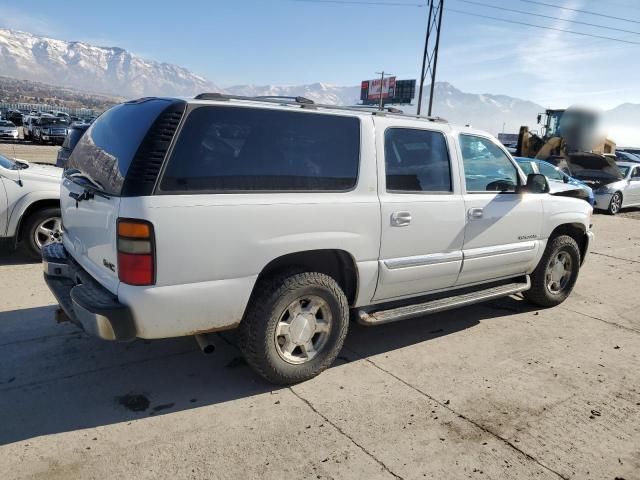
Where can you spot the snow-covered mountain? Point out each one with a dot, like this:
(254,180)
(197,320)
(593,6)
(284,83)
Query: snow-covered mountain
(109,70)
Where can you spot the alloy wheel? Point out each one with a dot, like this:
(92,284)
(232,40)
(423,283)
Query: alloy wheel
(48,231)
(559,271)
(303,329)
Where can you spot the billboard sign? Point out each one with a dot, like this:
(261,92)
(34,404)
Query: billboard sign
(392,91)
(378,87)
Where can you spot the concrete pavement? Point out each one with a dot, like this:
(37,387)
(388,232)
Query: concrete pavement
(495,391)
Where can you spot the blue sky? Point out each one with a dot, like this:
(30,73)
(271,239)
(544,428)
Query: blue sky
(292,42)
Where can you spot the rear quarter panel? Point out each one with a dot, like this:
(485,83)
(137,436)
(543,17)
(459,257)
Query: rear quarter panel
(210,248)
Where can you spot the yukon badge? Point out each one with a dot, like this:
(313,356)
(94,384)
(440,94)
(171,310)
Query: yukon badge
(527,237)
(108,264)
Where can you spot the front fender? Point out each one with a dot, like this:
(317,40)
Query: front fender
(22,205)
(562,211)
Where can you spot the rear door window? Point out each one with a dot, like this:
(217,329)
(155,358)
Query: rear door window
(416,161)
(231,149)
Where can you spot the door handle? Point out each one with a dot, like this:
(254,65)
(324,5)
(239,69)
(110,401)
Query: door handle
(400,219)
(475,213)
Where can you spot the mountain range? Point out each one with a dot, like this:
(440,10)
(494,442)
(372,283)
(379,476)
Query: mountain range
(108,70)
(117,72)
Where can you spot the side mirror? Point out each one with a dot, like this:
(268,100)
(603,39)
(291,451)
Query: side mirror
(537,183)
(565,179)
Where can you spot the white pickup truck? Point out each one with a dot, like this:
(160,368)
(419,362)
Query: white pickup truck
(280,217)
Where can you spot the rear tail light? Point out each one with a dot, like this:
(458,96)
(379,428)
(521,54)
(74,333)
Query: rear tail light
(136,252)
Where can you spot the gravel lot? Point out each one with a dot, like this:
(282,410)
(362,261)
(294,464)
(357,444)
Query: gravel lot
(494,391)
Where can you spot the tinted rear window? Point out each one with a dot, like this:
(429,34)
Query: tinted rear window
(105,151)
(222,149)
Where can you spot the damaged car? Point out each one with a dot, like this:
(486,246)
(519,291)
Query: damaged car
(616,185)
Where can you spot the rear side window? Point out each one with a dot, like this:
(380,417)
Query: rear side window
(416,161)
(224,149)
(105,151)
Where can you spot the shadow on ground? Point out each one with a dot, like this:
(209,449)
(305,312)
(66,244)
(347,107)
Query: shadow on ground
(54,378)
(15,257)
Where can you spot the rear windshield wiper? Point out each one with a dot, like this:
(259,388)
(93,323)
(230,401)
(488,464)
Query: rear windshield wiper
(93,187)
(75,173)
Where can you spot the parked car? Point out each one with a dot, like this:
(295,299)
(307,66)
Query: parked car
(8,130)
(14,116)
(633,150)
(560,183)
(604,176)
(28,126)
(278,217)
(626,157)
(622,193)
(74,134)
(49,129)
(29,205)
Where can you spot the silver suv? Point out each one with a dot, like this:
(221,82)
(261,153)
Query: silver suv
(279,217)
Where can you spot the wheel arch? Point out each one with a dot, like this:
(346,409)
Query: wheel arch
(30,209)
(577,231)
(338,264)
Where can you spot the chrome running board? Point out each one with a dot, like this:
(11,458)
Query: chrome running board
(379,317)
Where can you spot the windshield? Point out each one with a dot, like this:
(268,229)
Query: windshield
(624,170)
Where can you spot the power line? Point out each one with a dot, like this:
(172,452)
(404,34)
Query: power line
(515,22)
(481,4)
(573,32)
(578,10)
(365,2)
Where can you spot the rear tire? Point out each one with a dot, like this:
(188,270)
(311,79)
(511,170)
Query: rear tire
(294,327)
(34,238)
(555,276)
(615,204)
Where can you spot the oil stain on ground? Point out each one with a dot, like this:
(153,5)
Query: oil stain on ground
(135,402)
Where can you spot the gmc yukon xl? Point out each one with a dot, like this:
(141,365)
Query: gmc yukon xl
(283,218)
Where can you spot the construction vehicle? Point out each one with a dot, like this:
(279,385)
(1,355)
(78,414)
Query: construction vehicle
(564,133)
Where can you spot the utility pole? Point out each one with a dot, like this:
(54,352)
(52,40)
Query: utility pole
(382,75)
(430,57)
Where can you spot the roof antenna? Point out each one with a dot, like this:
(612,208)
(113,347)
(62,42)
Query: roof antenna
(13,147)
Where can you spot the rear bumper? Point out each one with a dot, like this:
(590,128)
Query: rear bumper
(87,303)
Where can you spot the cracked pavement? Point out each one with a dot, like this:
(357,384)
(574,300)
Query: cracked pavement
(500,390)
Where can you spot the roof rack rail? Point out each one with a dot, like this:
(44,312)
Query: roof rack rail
(304,100)
(308,103)
(210,96)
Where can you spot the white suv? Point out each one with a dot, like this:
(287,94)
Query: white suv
(280,217)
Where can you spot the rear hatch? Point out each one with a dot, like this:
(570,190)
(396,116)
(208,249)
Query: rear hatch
(120,155)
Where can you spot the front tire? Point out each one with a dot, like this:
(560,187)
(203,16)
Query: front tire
(294,327)
(41,228)
(615,204)
(555,276)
